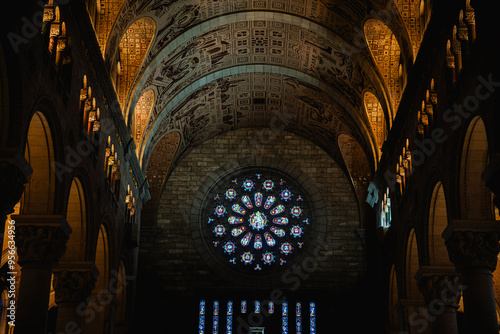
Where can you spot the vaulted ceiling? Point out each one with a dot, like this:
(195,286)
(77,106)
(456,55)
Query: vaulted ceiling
(317,68)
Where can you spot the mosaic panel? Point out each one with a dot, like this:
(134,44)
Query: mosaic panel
(141,115)
(249,42)
(377,118)
(109,12)
(410,12)
(157,170)
(133,48)
(386,53)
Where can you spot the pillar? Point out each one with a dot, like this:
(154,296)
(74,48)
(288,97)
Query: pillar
(73,284)
(441,289)
(473,247)
(41,242)
(413,316)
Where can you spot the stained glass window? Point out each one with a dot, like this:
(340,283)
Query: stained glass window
(229,318)
(284,318)
(312,317)
(201,325)
(298,317)
(215,327)
(258,220)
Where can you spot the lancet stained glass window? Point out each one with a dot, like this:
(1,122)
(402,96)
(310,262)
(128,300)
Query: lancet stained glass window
(258,220)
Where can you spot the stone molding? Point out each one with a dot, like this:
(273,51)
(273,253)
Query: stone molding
(440,284)
(74,281)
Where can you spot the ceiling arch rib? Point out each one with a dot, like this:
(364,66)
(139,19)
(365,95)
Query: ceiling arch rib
(317,112)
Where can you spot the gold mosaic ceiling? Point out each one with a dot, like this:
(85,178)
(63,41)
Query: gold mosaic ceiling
(206,67)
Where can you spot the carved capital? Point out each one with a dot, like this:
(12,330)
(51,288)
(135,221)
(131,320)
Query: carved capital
(456,48)
(41,239)
(14,174)
(74,281)
(470,16)
(473,244)
(439,285)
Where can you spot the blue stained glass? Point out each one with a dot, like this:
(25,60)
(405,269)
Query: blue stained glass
(245,241)
(269,239)
(257,244)
(268,258)
(215,326)
(220,210)
(229,318)
(229,247)
(247,201)
(286,195)
(257,267)
(268,185)
(296,211)
(269,202)
(312,317)
(201,324)
(277,210)
(247,257)
(239,209)
(219,230)
(298,317)
(280,221)
(258,198)
(278,231)
(231,194)
(284,318)
(243,306)
(296,231)
(286,248)
(248,185)
(257,306)
(270,308)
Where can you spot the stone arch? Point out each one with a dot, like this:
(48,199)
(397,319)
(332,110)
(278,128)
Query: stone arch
(438,220)
(386,53)
(411,13)
(76,216)
(39,192)
(133,47)
(475,196)
(393,320)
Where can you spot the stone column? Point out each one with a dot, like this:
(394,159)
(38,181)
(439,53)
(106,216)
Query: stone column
(473,247)
(413,316)
(41,242)
(442,291)
(73,284)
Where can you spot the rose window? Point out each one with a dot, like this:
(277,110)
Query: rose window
(258,221)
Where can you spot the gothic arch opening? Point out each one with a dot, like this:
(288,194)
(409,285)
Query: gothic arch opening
(76,216)
(393,301)
(475,196)
(39,193)
(412,265)
(438,220)
(121,296)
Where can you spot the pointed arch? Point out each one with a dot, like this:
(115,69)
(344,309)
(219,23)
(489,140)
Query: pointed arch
(386,53)
(134,45)
(39,194)
(393,301)
(412,266)
(141,114)
(438,220)
(475,196)
(76,216)
(377,119)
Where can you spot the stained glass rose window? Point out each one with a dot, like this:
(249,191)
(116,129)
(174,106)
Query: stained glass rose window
(257,221)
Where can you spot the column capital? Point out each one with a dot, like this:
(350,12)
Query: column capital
(14,174)
(74,281)
(473,244)
(439,284)
(41,238)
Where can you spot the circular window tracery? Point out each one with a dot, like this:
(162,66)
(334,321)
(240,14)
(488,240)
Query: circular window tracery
(257,221)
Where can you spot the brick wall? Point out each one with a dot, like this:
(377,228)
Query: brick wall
(172,256)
